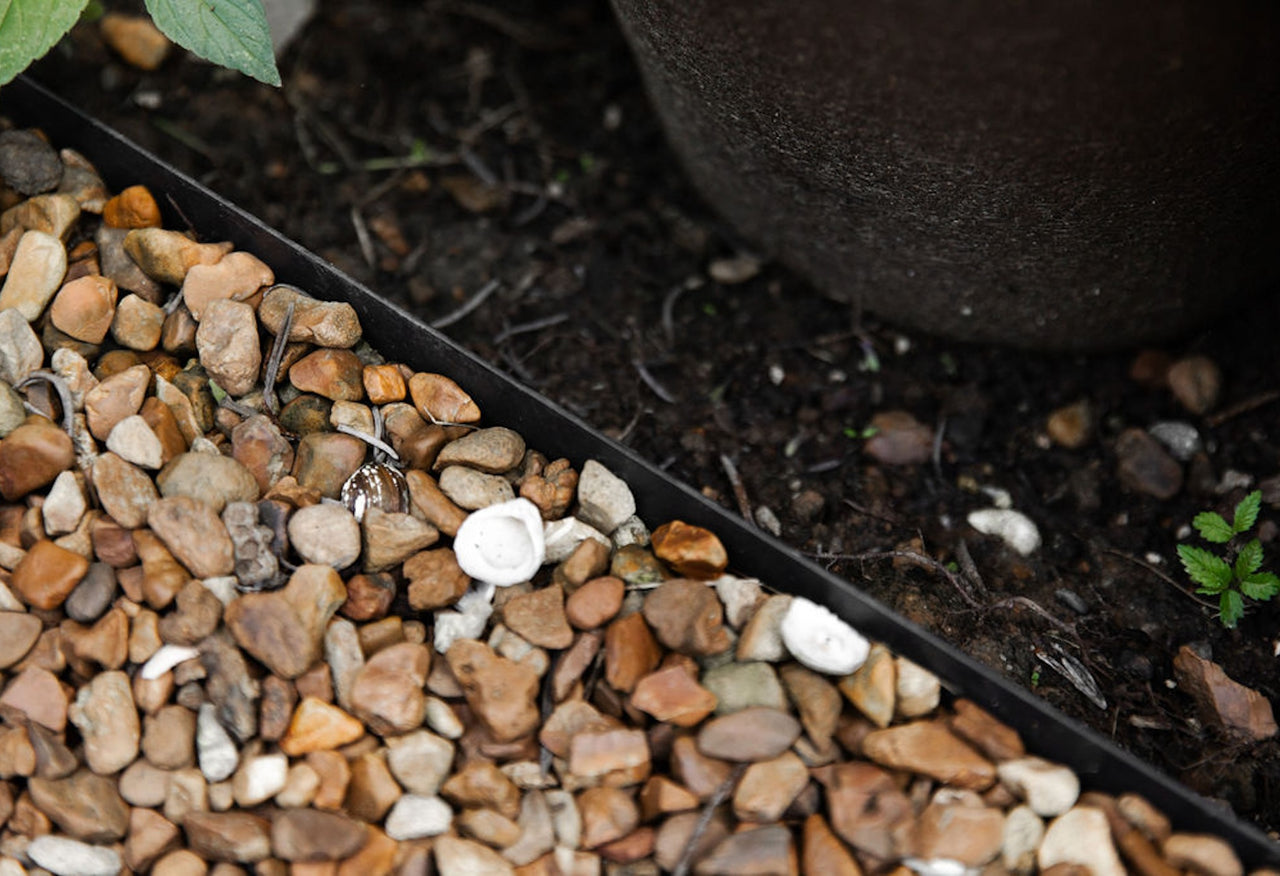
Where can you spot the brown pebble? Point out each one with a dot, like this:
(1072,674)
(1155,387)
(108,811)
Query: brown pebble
(539,617)
(134,207)
(595,603)
(630,652)
(692,551)
(1196,382)
(687,616)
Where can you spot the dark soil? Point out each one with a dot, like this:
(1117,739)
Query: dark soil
(606,306)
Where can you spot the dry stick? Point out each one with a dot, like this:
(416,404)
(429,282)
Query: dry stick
(535,325)
(668,314)
(467,306)
(362,237)
(704,819)
(275,358)
(1161,575)
(918,559)
(1243,407)
(652,382)
(739,488)
(863,509)
(968,567)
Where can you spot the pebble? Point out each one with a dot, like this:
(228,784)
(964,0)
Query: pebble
(284,629)
(325,534)
(166,256)
(673,695)
(1181,439)
(319,726)
(18,633)
(47,574)
(35,273)
(32,456)
(604,499)
(1143,465)
(761,637)
(168,738)
(85,308)
(420,761)
(84,805)
(692,551)
(105,714)
(435,579)
(630,652)
(1070,426)
(387,692)
(335,374)
(211,478)
(20,349)
(440,400)
(227,341)
(1012,527)
(899,439)
(493,450)
(65,504)
(595,603)
(388,539)
(552,489)
(873,688)
(960,828)
(822,851)
(194,534)
(502,693)
(1050,789)
(539,617)
(136,39)
(470,489)
(739,686)
(752,734)
(237,837)
(415,816)
(1222,702)
(1201,853)
(1196,382)
(608,814)
(917,690)
(686,616)
(215,749)
(462,857)
(323,323)
(28,163)
(562,537)
(115,398)
(930,749)
(67,857)
(768,787)
(1080,836)
(309,835)
(236,276)
(12,413)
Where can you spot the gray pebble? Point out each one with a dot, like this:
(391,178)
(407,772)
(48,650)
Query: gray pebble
(27,163)
(92,595)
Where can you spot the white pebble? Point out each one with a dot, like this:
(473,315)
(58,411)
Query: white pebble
(214,749)
(820,640)
(167,657)
(414,817)
(224,587)
(739,597)
(1050,789)
(501,544)
(63,856)
(134,441)
(604,499)
(1013,527)
(443,719)
(261,778)
(326,534)
(630,531)
(64,506)
(561,537)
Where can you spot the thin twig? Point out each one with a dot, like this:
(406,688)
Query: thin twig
(535,325)
(1243,407)
(739,488)
(652,382)
(362,237)
(477,166)
(237,407)
(467,306)
(371,440)
(968,568)
(704,819)
(1024,602)
(936,455)
(275,358)
(862,509)
(1161,575)
(668,314)
(919,559)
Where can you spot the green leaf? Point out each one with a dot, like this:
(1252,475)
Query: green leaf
(1212,527)
(1260,586)
(1206,569)
(29,28)
(1230,609)
(1247,511)
(233,33)
(1249,560)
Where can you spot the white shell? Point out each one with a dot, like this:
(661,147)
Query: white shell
(1013,527)
(167,657)
(501,544)
(820,640)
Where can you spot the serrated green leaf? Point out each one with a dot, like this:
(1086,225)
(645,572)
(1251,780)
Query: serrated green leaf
(1230,609)
(1260,586)
(1212,527)
(29,28)
(1247,511)
(1206,569)
(233,33)
(1249,560)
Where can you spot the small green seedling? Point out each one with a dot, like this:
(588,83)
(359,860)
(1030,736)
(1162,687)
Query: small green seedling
(1228,577)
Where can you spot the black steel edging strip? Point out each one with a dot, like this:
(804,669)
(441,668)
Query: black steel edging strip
(1101,764)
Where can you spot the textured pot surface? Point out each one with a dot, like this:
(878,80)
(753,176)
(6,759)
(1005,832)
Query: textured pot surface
(1069,175)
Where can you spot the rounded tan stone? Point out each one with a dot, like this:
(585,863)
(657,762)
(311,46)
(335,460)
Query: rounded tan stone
(85,308)
(630,652)
(227,341)
(138,41)
(753,734)
(333,373)
(388,692)
(502,692)
(18,633)
(323,323)
(383,384)
(47,574)
(138,324)
(319,726)
(32,456)
(35,273)
(118,396)
(673,695)
(686,616)
(930,749)
(608,814)
(435,579)
(236,276)
(168,255)
(596,602)
(440,400)
(539,617)
(194,534)
(36,693)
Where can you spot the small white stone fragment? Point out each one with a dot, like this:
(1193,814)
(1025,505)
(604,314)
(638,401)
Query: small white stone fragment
(936,866)
(64,856)
(420,761)
(630,531)
(1013,527)
(768,521)
(604,499)
(345,657)
(64,506)
(1049,788)
(467,622)
(820,640)
(224,587)
(165,659)
(501,544)
(739,597)
(1080,836)
(260,779)
(414,816)
(443,719)
(1023,831)
(133,440)
(214,749)
(918,690)
(562,537)
(1181,439)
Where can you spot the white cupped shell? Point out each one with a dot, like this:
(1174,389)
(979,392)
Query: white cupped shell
(820,640)
(501,544)
(1013,527)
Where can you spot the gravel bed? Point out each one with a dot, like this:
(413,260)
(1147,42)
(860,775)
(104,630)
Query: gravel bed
(273,604)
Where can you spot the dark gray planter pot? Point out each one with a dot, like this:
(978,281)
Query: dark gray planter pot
(1068,175)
